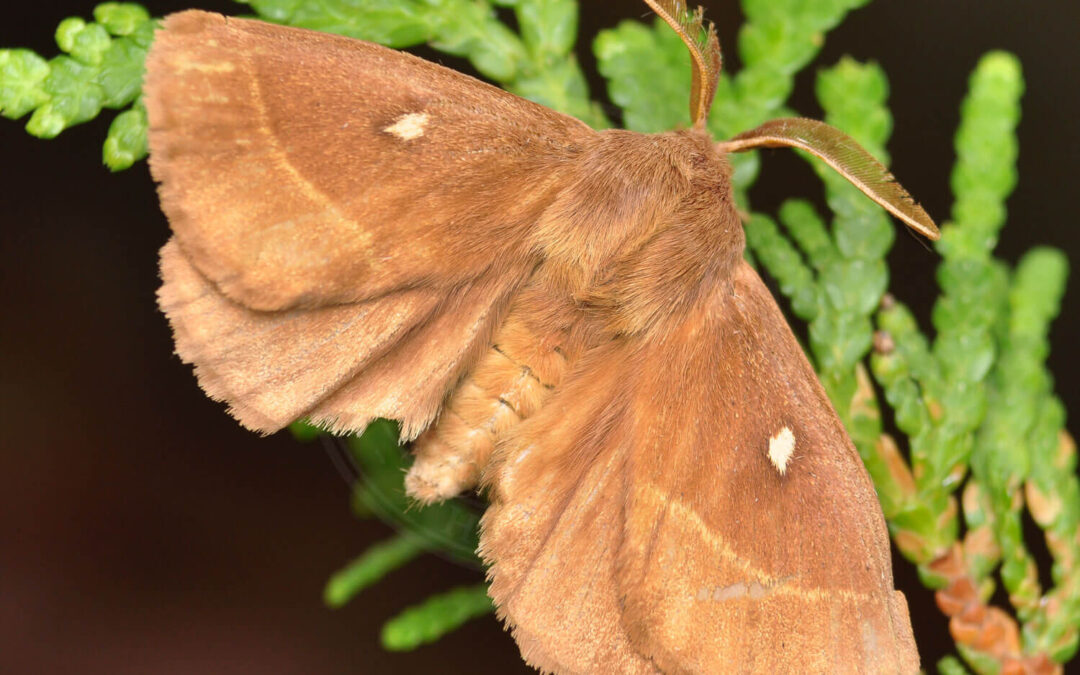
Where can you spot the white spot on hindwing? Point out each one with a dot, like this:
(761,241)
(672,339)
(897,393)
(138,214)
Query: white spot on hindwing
(781,447)
(408,126)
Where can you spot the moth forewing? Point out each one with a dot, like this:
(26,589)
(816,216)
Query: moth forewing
(349,286)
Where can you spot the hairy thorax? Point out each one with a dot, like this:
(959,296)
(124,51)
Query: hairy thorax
(645,229)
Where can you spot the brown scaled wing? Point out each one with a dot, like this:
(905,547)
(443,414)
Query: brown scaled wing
(638,521)
(335,206)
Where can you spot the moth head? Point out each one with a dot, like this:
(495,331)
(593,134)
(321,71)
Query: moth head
(644,223)
(839,150)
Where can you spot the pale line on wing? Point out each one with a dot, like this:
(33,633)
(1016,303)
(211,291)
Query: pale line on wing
(679,512)
(281,161)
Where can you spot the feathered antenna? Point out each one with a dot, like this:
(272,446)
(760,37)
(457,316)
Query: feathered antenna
(844,154)
(704,48)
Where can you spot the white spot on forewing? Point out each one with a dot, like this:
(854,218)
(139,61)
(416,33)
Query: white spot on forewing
(781,447)
(408,126)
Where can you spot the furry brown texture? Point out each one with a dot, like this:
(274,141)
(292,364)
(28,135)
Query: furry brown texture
(362,234)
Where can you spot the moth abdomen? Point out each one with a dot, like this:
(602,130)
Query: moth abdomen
(511,381)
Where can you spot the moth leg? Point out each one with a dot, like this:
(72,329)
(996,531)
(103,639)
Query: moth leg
(511,382)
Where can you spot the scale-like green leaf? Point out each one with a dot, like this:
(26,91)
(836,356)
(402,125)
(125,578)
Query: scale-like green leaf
(22,76)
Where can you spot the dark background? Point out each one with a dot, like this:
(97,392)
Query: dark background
(142,530)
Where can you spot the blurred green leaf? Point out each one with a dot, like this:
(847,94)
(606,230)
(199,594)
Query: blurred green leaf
(74,97)
(100,72)
(121,18)
(648,74)
(548,27)
(22,76)
(126,142)
(435,617)
(379,560)
(450,526)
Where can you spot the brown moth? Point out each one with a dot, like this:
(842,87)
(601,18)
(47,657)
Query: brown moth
(559,316)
